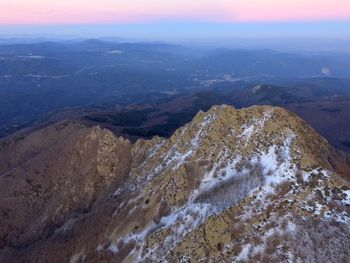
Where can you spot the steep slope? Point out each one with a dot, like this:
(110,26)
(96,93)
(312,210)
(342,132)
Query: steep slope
(231,185)
(53,174)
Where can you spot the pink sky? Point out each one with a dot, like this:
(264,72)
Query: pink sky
(134,11)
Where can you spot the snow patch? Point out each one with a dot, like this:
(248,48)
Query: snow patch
(113,247)
(255,126)
(244,254)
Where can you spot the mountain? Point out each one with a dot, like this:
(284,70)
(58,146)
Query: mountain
(263,94)
(270,63)
(55,75)
(326,112)
(255,184)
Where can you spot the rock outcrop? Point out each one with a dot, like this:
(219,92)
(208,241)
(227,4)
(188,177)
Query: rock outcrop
(53,175)
(231,185)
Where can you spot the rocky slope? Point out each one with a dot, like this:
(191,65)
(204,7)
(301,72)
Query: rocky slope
(53,174)
(231,185)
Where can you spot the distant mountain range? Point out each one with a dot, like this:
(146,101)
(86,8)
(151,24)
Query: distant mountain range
(40,77)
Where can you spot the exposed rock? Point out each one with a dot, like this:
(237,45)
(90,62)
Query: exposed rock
(54,175)
(232,185)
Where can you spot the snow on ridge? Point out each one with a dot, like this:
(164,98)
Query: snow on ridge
(152,152)
(248,251)
(276,167)
(206,123)
(274,170)
(255,126)
(185,219)
(267,116)
(113,248)
(176,156)
(247,132)
(322,209)
(347,200)
(180,222)
(271,163)
(244,254)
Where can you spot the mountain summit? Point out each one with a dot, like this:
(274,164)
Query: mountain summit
(256,184)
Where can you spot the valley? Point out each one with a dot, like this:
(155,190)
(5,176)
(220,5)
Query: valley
(153,152)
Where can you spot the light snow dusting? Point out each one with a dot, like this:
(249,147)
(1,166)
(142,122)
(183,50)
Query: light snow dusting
(255,126)
(183,220)
(234,176)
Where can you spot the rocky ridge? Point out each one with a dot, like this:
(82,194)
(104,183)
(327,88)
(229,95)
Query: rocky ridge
(231,185)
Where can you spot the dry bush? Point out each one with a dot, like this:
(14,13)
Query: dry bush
(300,178)
(283,188)
(319,196)
(256,258)
(279,157)
(322,241)
(237,230)
(243,164)
(236,249)
(269,173)
(272,243)
(256,240)
(337,194)
(232,190)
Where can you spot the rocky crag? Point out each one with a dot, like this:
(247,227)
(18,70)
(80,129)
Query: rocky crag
(256,184)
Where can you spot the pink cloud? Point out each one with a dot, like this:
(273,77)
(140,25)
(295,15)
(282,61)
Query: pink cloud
(122,11)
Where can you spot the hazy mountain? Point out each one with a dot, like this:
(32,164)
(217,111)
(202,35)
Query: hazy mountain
(39,77)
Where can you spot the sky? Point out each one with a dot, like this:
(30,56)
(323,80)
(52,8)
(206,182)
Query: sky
(320,18)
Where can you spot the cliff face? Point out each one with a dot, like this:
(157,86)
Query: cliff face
(53,174)
(231,185)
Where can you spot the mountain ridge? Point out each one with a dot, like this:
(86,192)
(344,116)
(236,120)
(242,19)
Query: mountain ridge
(203,193)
